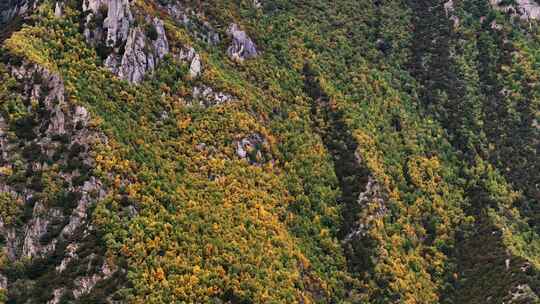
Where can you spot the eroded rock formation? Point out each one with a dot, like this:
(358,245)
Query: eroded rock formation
(47,169)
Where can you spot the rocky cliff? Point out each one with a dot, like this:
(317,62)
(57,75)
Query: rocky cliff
(46,172)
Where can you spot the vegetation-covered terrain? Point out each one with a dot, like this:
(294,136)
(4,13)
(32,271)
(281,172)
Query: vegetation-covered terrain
(272,151)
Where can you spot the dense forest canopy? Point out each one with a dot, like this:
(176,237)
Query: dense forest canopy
(269,151)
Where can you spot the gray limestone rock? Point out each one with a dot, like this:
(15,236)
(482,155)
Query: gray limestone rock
(373,196)
(35,229)
(207,97)
(525,9)
(113,63)
(195,68)
(529,9)
(3,282)
(135,61)
(160,44)
(50,90)
(522,293)
(58,11)
(85,284)
(190,56)
(70,254)
(50,226)
(251,148)
(11,8)
(242,47)
(116,24)
(118,21)
(141,54)
(57,295)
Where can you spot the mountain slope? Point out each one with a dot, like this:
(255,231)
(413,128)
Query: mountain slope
(269,152)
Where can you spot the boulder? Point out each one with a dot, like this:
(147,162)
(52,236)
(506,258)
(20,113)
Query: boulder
(190,56)
(58,11)
(242,46)
(195,67)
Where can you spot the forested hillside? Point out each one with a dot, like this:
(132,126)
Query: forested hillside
(269,151)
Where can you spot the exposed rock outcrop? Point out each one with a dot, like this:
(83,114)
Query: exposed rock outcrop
(55,188)
(252,148)
(58,10)
(450,12)
(133,51)
(522,294)
(57,294)
(195,67)
(141,54)
(112,18)
(529,9)
(525,9)
(35,230)
(207,97)
(85,284)
(190,56)
(372,206)
(242,47)
(70,254)
(11,8)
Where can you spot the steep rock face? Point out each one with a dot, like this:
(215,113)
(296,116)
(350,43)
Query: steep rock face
(529,9)
(107,17)
(142,54)
(523,294)
(242,47)
(47,173)
(131,52)
(525,9)
(11,8)
(135,61)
